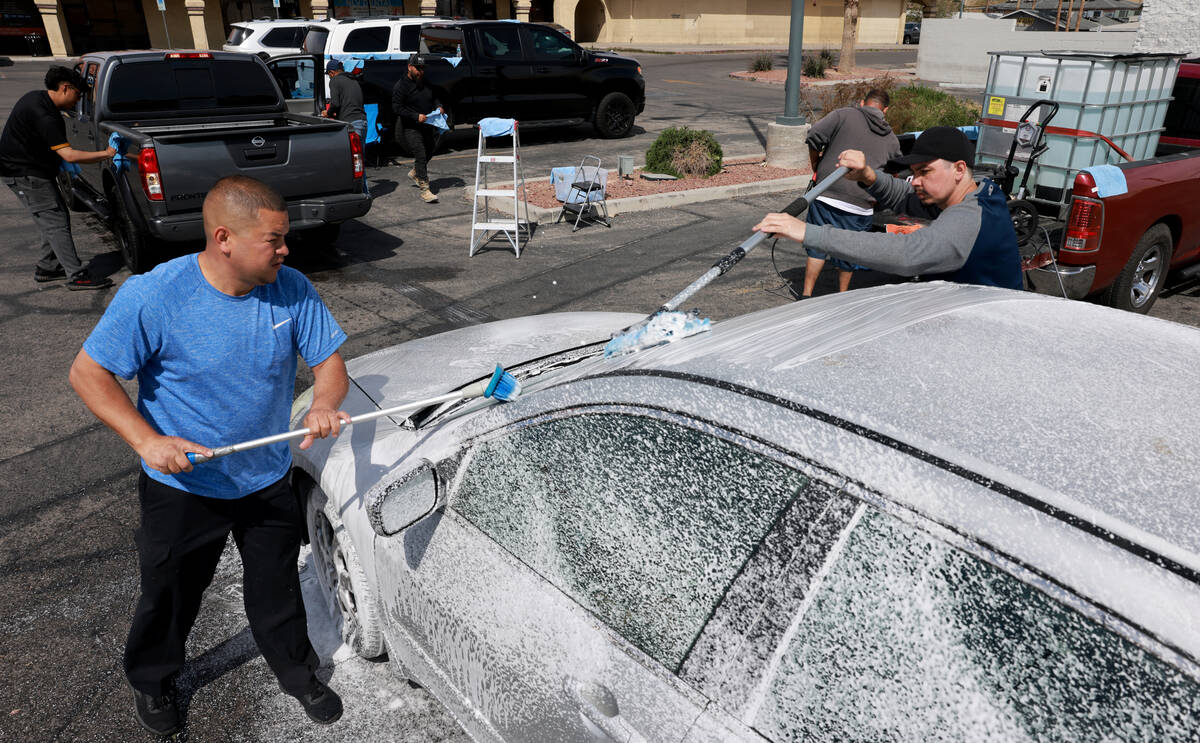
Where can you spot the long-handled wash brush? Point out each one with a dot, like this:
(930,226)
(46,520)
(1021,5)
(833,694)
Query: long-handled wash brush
(501,386)
(666,324)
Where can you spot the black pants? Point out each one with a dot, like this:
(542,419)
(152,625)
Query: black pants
(179,543)
(419,139)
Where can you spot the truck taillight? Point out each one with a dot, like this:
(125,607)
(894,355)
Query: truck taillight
(1086,221)
(356,153)
(151,177)
(189,55)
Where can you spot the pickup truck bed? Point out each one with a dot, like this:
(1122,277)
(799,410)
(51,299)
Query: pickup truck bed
(187,119)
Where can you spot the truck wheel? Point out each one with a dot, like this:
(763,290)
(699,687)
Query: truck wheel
(63,181)
(136,247)
(1142,279)
(614,116)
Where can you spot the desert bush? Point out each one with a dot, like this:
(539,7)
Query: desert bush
(696,150)
(916,108)
(762,63)
(828,58)
(823,100)
(812,67)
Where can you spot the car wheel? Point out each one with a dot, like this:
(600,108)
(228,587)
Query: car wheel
(137,248)
(614,116)
(63,181)
(1142,279)
(342,577)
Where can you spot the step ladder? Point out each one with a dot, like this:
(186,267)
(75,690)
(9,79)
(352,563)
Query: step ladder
(486,226)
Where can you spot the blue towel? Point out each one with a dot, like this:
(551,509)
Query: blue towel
(120,161)
(71,169)
(453,60)
(493,127)
(437,119)
(372,112)
(1110,180)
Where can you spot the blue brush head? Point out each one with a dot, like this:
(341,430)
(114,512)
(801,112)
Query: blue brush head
(502,386)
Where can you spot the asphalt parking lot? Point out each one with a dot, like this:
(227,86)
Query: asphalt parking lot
(67,501)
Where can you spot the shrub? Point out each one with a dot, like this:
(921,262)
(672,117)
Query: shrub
(694,149)
(916,108)
(828,58)
(762,63)
(812,67)
(832,97)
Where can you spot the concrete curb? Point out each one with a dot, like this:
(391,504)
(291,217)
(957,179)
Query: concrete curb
(650,202)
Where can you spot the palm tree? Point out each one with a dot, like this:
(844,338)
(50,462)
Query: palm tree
(849,35)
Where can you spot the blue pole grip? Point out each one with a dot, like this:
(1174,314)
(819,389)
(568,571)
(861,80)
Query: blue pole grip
(192,456)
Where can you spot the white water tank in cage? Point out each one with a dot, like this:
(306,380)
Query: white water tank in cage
(1121,96)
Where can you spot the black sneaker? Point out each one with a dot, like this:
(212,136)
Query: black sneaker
(84,281)
(42,277)
(159,715)
(322,704)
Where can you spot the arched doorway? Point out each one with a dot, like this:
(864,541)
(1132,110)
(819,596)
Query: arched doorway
(589,20)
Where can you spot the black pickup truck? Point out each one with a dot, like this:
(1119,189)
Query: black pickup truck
(187,119)
(524,71)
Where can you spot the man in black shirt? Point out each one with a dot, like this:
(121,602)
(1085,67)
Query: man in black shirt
(412,100)
(345,98)
(33,147)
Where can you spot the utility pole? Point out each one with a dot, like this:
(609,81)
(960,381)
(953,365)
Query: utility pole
(786,145)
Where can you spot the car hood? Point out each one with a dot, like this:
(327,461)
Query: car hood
(613,57)
(432,366)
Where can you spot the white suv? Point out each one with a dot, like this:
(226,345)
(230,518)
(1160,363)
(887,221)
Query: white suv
(267,37)
(376,37)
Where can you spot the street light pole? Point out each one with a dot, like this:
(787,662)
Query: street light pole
(791,102)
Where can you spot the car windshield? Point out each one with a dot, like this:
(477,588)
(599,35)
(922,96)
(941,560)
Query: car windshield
(905,635)
(189,84)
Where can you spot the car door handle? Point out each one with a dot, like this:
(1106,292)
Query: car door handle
(598,707)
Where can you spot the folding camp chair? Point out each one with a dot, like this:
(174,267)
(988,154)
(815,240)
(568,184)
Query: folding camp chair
(586,198)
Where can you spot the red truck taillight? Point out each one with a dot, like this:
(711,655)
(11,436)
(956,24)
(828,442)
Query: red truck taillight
(151,178)
(1086,222)
(356,153)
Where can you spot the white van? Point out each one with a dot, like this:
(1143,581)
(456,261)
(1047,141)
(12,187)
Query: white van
(369,37)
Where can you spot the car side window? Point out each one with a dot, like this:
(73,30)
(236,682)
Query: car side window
(295,77)
(549,45)
(906,634)
(643,522)
(501,43)
(373,39)
(283,37)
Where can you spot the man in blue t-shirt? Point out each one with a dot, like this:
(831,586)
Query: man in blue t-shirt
(212,339)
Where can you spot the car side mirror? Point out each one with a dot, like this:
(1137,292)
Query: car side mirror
(394,506)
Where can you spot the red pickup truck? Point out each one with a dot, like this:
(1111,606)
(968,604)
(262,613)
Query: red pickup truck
(1121,248)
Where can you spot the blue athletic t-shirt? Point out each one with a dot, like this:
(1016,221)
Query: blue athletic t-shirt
(215,369)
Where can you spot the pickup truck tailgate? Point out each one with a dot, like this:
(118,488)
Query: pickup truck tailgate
(298,156)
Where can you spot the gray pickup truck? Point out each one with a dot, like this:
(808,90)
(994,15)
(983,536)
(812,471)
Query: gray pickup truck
(186,119)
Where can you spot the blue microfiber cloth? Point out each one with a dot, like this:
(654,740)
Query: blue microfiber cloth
(1110,180)
(120,161)
(453,60)
(493,127)
(437,119)
(71,169)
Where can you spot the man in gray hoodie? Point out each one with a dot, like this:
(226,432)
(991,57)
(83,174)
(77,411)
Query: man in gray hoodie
(844,205)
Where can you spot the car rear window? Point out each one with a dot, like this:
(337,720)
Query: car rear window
(189,84)
(1183,113)
(237,35)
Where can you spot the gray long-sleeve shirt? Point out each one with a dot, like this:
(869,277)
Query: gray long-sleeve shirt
(971,242)
(852,128)
(346,99)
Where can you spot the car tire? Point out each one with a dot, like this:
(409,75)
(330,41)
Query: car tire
(137,248)
(63,182)
(341,575)
(614,116)
(1143,277)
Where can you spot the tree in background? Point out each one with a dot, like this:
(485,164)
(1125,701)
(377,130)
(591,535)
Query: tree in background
(849,35)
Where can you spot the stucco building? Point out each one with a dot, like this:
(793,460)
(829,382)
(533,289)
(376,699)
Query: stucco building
(74,26)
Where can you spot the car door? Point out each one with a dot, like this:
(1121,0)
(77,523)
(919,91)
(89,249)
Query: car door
(501,70)
(80,124)
(576,563)
(555,87)
(297,80)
